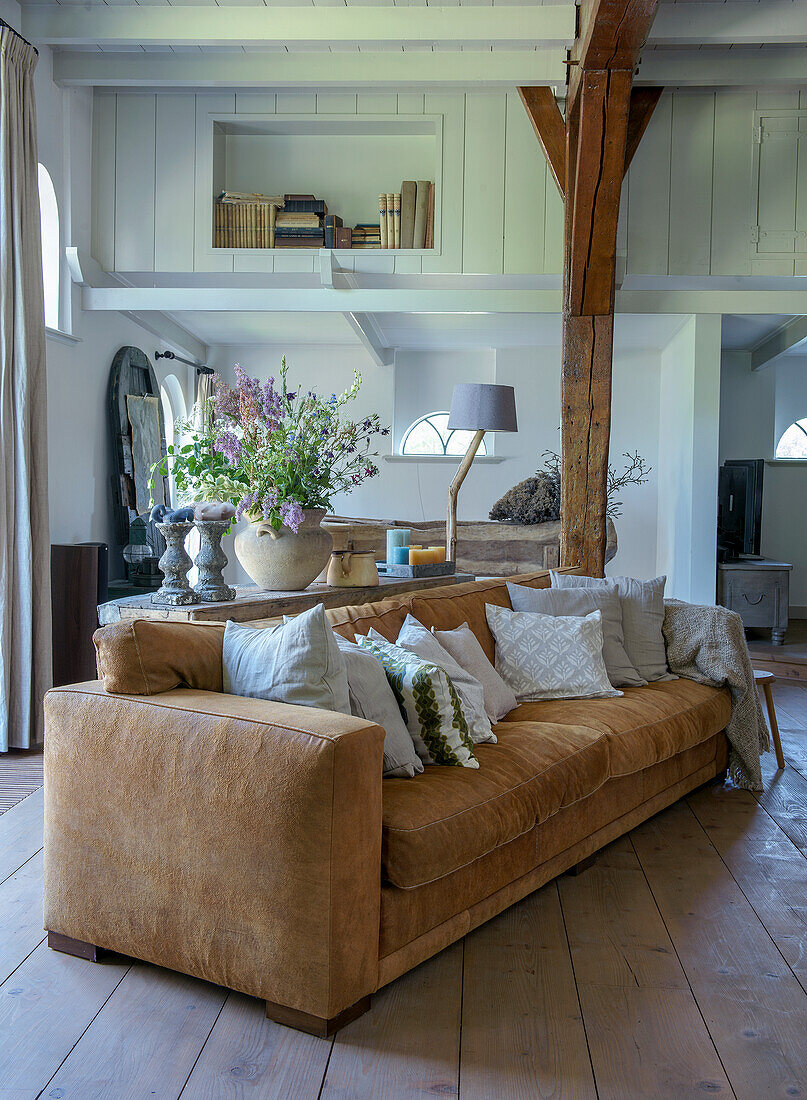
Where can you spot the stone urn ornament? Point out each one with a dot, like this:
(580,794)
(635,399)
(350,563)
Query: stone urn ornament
(175,590)
(212,521)
(282,561)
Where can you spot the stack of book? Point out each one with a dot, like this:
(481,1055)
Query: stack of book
(366,235)
(300,225)
(245,220)
(406,217)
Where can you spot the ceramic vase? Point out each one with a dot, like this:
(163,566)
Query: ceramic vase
(282,561)
(211,560)
(175,590)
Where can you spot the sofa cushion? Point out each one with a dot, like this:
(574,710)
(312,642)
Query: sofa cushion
(646,724)
(448,817)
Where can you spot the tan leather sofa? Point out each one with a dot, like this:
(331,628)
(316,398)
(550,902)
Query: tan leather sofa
(257,846)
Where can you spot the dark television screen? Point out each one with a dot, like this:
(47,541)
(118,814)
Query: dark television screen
(739,522)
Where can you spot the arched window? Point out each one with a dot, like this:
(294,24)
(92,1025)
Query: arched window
(51,253)
(431,435)
(793,443)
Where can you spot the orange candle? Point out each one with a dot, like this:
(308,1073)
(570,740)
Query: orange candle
(419,556)
(439,553)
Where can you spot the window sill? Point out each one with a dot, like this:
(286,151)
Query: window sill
(454,460)
(786,461)
(61,337)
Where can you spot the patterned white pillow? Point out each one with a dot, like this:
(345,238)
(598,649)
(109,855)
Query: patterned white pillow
(544,657)
(429,705)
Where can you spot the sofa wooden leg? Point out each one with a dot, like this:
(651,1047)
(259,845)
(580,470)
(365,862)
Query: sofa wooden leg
(316,1025)
(583,865)
(69,946)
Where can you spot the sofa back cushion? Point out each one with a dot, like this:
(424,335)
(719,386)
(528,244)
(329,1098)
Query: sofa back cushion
(443,608)
(146,657)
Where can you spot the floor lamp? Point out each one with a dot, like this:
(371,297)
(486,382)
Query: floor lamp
(478,408)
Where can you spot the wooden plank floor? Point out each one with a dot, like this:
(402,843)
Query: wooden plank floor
(675,967)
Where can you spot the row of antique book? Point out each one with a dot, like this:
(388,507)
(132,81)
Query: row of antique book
(406,217)
(252,220)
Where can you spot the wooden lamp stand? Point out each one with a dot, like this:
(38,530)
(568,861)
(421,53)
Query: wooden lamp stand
(479,408)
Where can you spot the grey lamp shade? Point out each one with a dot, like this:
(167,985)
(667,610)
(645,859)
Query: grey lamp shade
(477,405)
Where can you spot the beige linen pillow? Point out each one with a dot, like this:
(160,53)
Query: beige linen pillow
(297,662)
(371,698)
(581,602)
(642,618)
(544,657)
(467,651)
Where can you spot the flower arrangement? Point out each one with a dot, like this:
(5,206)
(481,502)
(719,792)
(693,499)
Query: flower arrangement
(274,452)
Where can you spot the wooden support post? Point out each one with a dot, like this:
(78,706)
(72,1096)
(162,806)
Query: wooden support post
(604,124)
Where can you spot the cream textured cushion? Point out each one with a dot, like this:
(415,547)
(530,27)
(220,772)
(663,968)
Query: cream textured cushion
(642,618)
(415,637)
(297,662)
(371,698)
(544,657)
(428,703)
(581,602)
(465,648)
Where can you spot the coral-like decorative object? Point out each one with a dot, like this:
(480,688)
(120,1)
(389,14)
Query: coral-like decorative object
(213,510)
(534,500)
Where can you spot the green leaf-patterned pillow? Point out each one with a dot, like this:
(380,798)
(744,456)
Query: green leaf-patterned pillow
(429,705)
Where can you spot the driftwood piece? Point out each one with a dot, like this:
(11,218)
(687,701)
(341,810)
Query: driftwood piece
(484,548)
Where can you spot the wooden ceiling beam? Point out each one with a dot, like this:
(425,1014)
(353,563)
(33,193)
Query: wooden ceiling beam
(550,129)
(611,34)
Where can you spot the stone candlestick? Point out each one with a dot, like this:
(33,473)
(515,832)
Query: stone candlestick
(211,560)
(175,590)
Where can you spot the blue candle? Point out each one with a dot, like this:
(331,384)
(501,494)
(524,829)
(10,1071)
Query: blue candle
(396,536)
(400,555)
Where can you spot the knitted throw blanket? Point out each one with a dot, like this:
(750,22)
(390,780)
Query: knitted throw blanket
(707,644)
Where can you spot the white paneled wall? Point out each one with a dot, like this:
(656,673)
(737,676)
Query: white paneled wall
(697,185)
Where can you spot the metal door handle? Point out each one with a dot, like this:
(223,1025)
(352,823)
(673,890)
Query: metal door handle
(754,602)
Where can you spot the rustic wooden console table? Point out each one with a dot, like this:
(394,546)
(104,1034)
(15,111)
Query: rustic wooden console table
(252,603)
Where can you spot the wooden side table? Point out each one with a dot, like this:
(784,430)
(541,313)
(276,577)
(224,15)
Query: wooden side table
(759,590)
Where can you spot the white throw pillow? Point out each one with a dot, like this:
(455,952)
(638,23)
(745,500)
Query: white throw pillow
(415,637)
(642,618)
(544,657)
(429,705)
(371,698)
(467,651)
(582,601)
(297,662)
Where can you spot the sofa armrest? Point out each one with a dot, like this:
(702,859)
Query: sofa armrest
(234,839)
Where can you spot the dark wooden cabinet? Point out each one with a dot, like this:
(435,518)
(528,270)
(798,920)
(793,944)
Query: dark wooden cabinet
(78,584)
(759,591)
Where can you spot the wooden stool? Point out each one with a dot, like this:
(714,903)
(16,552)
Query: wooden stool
(766,679)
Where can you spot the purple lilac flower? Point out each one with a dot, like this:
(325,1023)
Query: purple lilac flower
(292,514)
(230,446)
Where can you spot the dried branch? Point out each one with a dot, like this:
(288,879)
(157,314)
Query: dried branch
(635,472)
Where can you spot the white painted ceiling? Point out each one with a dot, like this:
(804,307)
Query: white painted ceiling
(417,330)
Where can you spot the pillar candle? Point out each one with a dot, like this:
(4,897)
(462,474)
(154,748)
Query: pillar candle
(400,555)
(439,554)
(419,556)
(396,536)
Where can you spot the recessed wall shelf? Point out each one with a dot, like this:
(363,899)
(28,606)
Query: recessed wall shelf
(346,160)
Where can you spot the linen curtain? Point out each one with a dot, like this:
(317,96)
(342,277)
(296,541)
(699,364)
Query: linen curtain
(201,410)
(25,638)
